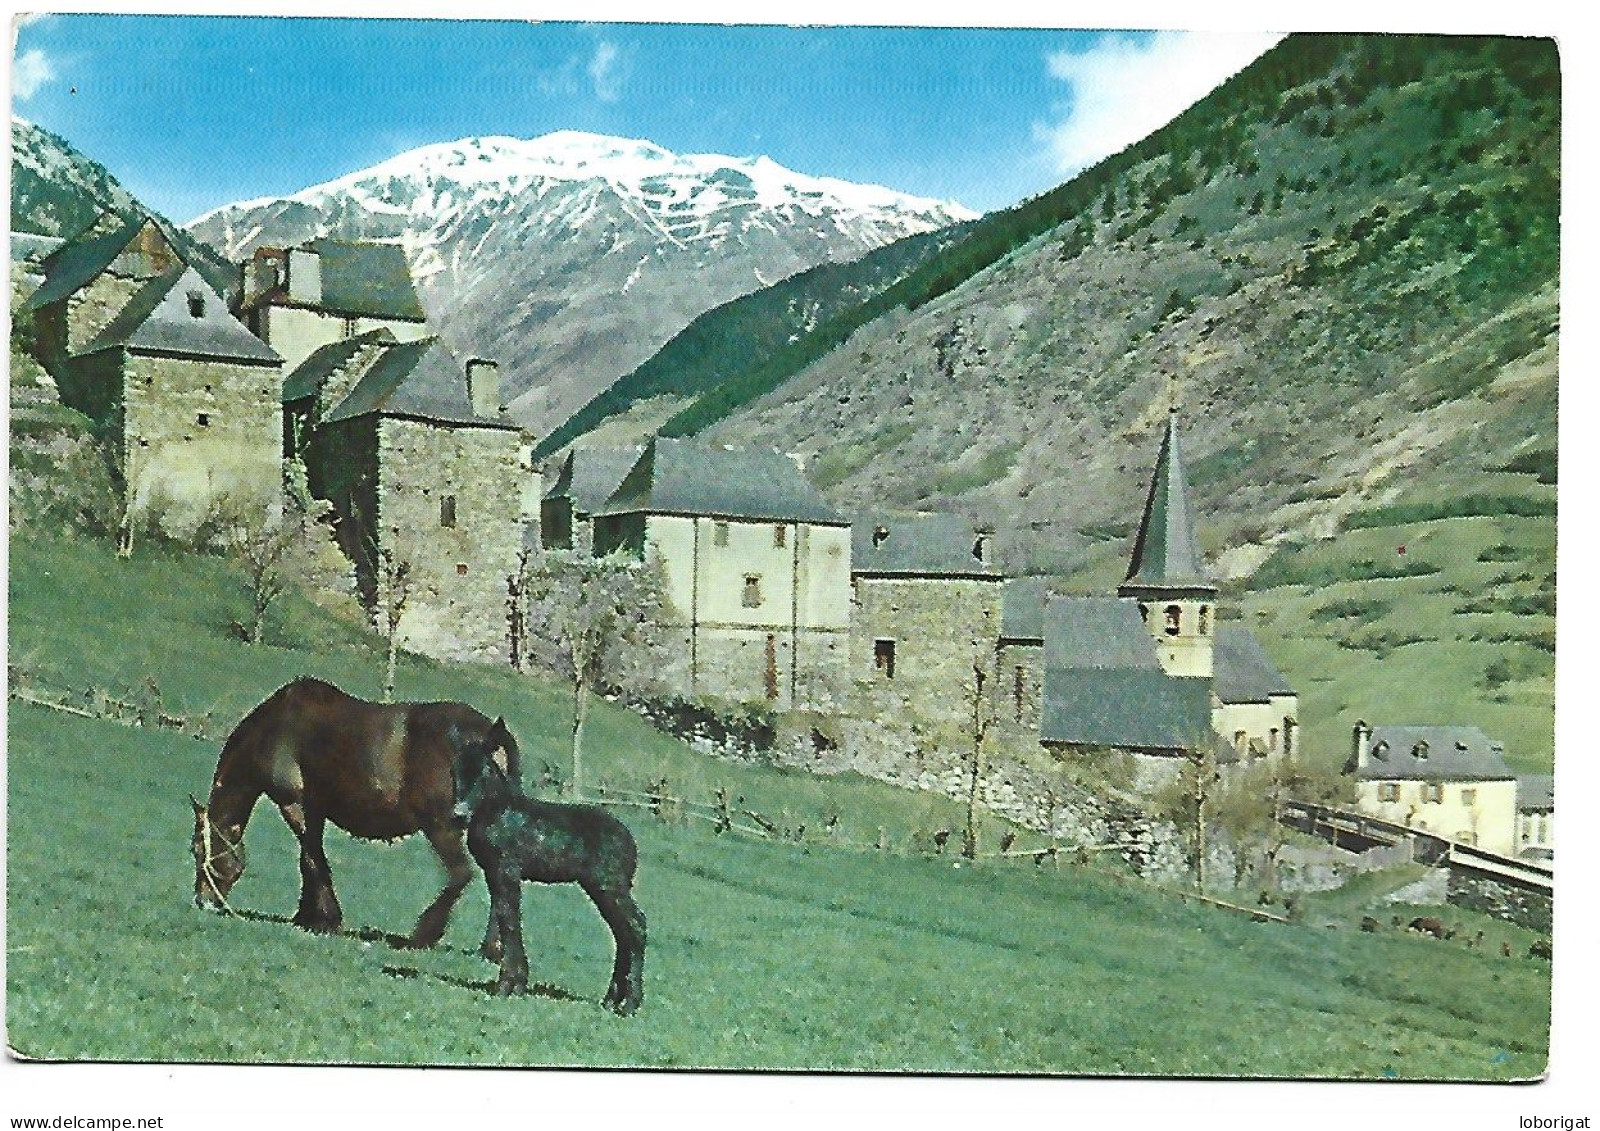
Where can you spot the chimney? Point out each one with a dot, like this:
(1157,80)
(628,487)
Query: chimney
(483,386)
(1361,742)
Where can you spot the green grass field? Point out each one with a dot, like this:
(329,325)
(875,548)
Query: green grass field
(761,954)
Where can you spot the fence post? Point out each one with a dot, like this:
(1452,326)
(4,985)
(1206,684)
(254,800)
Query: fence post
(724,818)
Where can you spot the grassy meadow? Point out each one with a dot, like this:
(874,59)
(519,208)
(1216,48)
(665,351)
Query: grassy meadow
(761,954)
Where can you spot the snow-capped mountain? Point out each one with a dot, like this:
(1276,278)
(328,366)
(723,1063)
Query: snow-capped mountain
(573,257)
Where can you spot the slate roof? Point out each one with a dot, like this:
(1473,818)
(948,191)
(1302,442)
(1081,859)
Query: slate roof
(419,379)
(1536,792)
(1022,609)
(1124,707)
(29,250)
(1242,671)
(1451,754)
(373,279)
(319,365)
(1164,553)
(588,476)
(158,319)
(1097,632)
(1104,686)
(688,477)
(73,264)
(940,545)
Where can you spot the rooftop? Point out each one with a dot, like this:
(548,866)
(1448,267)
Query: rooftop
(179,313)
(917,544)
(691,477)
(419,379)
(588,476)
(1243,671)
(1433,753)
(1164,553)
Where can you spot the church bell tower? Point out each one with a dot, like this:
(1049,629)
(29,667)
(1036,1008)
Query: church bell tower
(1176,599)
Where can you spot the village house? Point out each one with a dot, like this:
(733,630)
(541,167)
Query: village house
(756,569)
(580,485)
(1451,781)
(411,449)
(184,397)
(299,299)
(925,616)
(1536,811)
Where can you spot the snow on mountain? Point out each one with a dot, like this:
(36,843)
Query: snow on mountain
(572,257)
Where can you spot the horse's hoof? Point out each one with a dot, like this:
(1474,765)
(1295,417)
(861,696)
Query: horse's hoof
(510,989)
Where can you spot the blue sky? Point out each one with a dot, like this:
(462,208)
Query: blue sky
(193,112)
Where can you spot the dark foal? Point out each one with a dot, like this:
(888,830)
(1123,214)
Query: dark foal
(515,838)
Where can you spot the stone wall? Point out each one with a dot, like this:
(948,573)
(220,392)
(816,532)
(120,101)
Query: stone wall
(198,430)
(1506,901)
(916,644)
(443,507)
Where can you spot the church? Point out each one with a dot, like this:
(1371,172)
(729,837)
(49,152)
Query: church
(1149,671)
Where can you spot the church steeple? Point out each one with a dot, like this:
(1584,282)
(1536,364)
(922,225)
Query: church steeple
(1176,597)
(1164,554)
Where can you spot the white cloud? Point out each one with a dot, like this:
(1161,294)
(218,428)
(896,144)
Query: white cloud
(607,69)
(32,70)
(1125,87)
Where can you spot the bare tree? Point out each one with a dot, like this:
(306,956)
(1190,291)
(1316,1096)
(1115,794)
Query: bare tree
(1187,802)
(260,541)
(591,619)
(982,718)
(393,594)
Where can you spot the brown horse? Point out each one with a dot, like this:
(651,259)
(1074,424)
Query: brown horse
(379,771)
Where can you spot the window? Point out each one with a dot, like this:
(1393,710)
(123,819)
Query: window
(980,549)
(752,591)
(1174,617)
(719,534)
(1205,619)
(879,533)
(350,325)
(203,419)
(461,569)
(780,536)
(883,657)
(1144,613)
(197,304)
(1389,791)
(447,511)
(1432,791)
(1420,751)
(1469,797)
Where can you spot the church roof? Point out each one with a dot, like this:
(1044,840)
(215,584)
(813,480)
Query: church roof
(1164,554)
(160,318)
(1433,753)
(588,476)
(420,380)
(916,544)
(1243,673)
(690,477)
(1104,686)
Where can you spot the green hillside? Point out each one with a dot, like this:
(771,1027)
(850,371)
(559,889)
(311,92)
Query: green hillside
(717,346)
(761,954)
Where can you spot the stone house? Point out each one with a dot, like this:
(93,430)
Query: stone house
(579,486)
(1451,781)
(183,396)
(926,610)
(756,569)
(411,450)
(299,299)
(1536,814)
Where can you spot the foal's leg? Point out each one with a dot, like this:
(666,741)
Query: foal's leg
(449,843)
(319,908)
(505,910)
(627,925)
